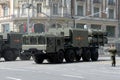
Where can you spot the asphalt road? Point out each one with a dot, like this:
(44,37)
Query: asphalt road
(28,70)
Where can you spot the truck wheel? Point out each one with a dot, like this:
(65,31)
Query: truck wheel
(86,55)
(69,56)
(94,55)
(9,55)
(25,56)
(60,56)
(77,58)
(56,57)
(38,58)
(0,55)
(78,54)
(51,59)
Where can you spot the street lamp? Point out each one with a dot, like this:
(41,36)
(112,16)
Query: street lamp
(119,18)
(105,11)
(28,6)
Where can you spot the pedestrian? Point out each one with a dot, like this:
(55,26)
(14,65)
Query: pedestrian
(112,50)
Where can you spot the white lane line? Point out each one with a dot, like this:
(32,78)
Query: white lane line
(13,78)
(13,69)
(74,76)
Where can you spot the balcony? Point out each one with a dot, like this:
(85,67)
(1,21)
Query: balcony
(5,18)
(2,2)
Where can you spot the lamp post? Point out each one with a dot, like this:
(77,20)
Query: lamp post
(105,11)
(119,17)
(28,6)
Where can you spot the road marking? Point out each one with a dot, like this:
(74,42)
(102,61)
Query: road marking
(13,78)
(74,76)
(13,69)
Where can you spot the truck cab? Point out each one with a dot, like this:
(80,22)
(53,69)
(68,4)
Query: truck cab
(42,45)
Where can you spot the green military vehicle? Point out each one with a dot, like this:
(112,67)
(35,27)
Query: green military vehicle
(10,45)
(68,44)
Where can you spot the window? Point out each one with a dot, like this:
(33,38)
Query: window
(33,40)
(6,27)
(21,28)
(96,1)
(55,9)
(111,14)
(65,2)
(58,42)
(25,40)
(111,2)
(81,26)
(96,10)
(111,31)
(80,10)
(50,41)
(39,8)
(53,26)
(23,9)
(97,27)
(41,40)
(39,28)
(56,26)
(5,10)
(80,0)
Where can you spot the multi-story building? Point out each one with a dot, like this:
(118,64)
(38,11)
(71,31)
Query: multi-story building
(38,13)
(6,14)
(98,14)
(41,14)
(16,15)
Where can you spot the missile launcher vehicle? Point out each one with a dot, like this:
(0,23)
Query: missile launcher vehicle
(69,44)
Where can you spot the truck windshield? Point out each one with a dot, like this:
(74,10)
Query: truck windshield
(33,40)
(41,40)
(25,40)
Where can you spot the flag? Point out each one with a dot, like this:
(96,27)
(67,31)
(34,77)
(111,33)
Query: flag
(32,29)
(25,27)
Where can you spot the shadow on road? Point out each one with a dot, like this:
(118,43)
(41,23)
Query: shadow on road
(46,63)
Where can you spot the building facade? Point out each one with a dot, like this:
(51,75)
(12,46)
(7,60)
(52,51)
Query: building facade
(6,14)
(40,13)
(98,14)
(16,15)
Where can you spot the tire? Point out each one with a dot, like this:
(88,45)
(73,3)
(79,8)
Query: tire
(77,58)
(86,55)
(51,58)
(78,55)
(25,56)
(56,57)
(94,55)
(0,55)
(9,55)
(38,58)
(69,56)
(60,56)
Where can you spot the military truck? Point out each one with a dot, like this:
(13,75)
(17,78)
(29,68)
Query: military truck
(69,44)
(10,45)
